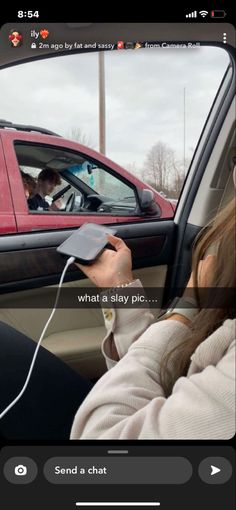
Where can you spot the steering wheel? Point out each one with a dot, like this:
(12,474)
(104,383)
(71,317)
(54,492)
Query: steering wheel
(92,202)
(82,201)
(60,193)
(70,202)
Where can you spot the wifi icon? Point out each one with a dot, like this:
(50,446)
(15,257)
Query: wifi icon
(203,13)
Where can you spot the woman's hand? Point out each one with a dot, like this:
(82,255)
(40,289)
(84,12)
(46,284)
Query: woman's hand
(112,268)
(57,205)
(205,275)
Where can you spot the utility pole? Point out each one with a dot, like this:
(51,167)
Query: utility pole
(102,106)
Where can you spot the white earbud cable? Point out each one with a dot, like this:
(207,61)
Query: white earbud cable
(3,413)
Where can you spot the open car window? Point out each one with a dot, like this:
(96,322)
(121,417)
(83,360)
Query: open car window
(80,185)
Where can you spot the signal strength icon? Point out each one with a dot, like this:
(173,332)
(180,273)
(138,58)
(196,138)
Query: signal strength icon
(191,14)
(203,13)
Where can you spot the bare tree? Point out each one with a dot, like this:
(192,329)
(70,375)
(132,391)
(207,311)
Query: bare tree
(157,166)
(178,175)
(76,134)
(177,181)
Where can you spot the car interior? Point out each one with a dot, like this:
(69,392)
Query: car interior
(161,248)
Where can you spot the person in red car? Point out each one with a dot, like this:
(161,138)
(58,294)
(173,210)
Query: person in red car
(48,179)
(30,185)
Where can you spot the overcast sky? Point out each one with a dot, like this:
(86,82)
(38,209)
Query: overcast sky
(144,97)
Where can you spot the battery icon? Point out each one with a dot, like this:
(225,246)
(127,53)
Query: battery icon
(218,14)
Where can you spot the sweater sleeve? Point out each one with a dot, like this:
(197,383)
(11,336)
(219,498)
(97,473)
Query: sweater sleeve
(124,326)
(128,402)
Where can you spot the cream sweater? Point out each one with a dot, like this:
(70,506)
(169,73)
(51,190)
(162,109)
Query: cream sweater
(128,402)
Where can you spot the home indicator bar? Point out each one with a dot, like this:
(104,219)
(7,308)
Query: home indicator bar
(116,503)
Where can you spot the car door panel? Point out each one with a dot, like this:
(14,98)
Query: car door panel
(31,260)
(75,334)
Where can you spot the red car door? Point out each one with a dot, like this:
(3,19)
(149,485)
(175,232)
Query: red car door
(7,216)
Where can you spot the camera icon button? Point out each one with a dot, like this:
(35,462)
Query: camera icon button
(20,470)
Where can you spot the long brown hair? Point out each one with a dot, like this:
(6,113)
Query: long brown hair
(220,231)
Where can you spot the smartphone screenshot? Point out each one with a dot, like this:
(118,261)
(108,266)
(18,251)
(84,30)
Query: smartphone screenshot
(117,359)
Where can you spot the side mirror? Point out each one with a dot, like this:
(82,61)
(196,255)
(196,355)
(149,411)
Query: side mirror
(148,204)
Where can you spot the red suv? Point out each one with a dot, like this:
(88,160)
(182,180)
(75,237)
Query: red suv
(93,188)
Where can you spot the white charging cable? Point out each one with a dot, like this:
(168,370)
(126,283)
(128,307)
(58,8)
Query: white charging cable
(3,413)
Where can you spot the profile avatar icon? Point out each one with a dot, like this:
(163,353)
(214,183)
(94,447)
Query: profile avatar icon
(15,38)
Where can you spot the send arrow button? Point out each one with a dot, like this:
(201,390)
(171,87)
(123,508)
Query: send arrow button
(214,470)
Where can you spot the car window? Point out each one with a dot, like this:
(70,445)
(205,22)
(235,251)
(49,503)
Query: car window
(103,183)
(69,182)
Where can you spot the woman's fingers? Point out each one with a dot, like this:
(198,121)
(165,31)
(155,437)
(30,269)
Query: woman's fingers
(206,271)
(112,267)
(85,269)
(118,243)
